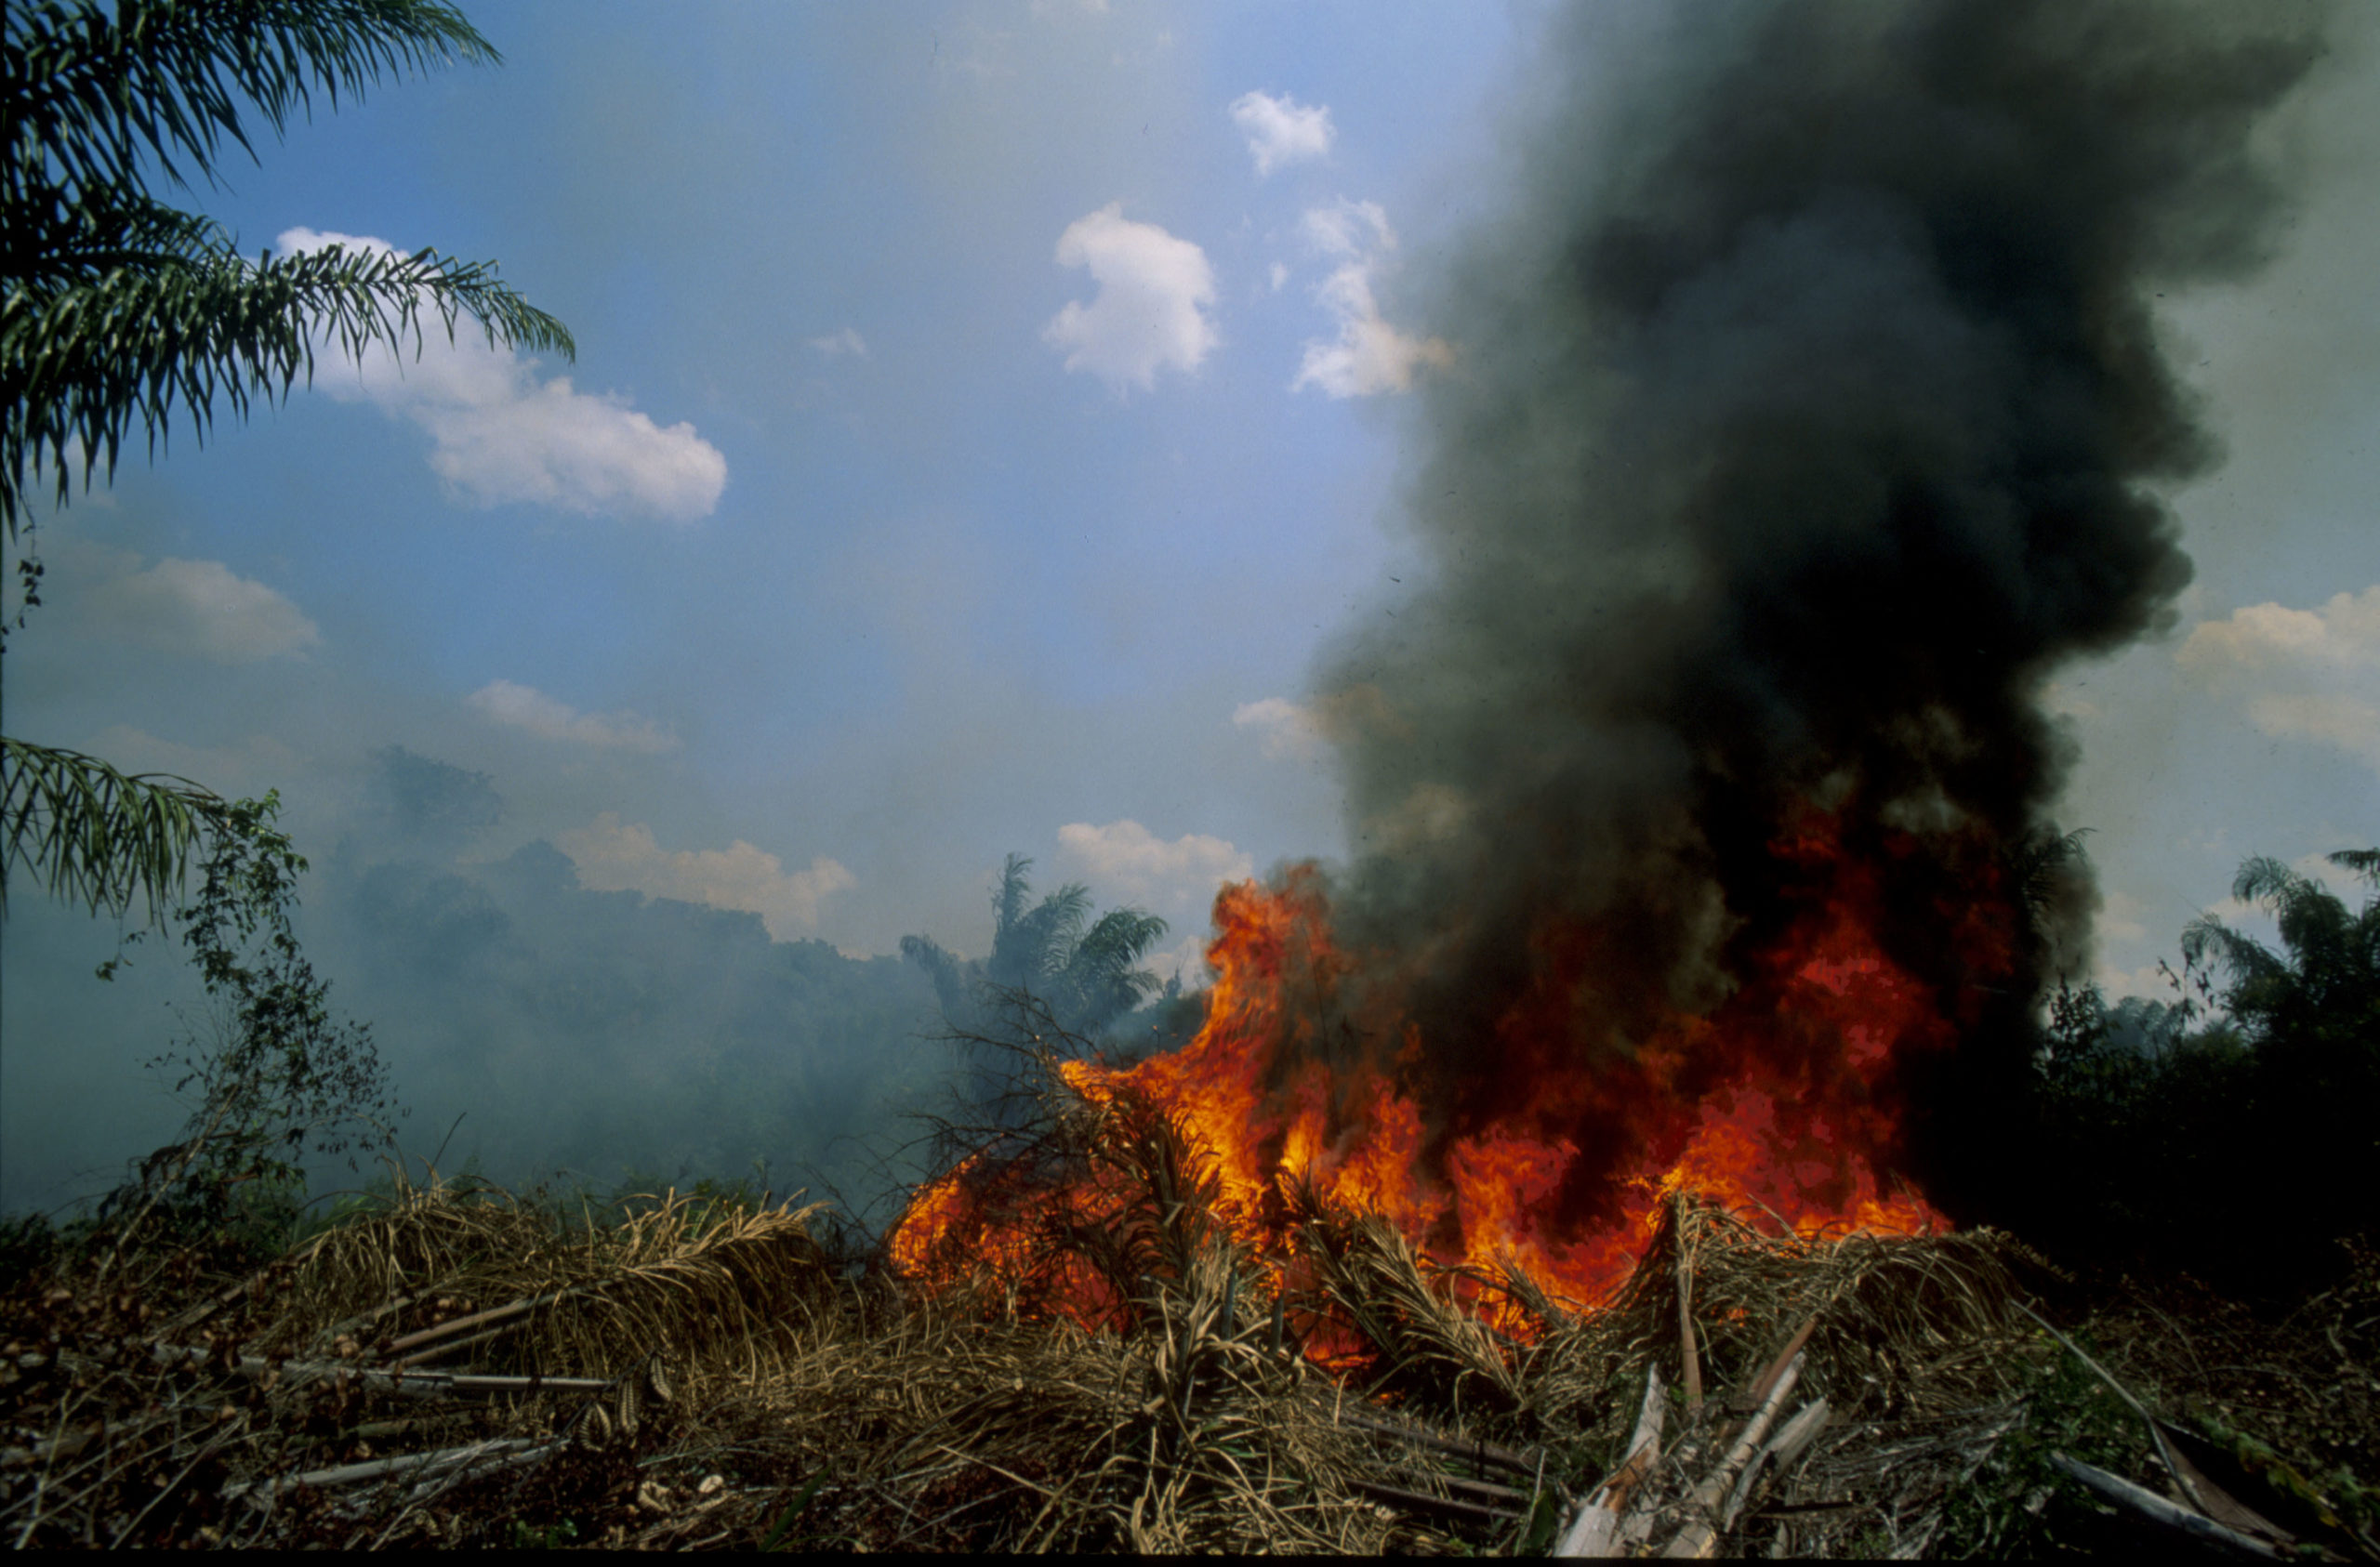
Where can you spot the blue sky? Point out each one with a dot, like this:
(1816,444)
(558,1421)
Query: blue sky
(984,417)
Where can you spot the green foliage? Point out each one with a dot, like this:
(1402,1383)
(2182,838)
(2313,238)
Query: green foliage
(273,1070)
(554,1536)
(119,307)
(90,834)
(2017,1505)
(2235,1129)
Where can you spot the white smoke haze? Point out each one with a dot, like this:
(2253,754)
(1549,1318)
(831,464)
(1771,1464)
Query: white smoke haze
(525,708)
(500,436)
(613,856)
(1150,312)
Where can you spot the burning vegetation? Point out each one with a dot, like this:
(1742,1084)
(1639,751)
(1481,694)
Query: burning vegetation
(1607,1157)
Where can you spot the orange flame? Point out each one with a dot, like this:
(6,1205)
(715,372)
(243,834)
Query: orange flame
(1778,1100)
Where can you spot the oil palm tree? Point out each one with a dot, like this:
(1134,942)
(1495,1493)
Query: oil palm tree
(123,312)
(1081,968)
(2323,988)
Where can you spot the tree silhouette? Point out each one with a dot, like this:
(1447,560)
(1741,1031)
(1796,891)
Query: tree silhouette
(1082,969)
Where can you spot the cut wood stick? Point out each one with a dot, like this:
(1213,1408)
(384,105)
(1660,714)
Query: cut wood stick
(1593,1532)
(421,1357)
(1422,1501)
(329,1335)
(2144,1503)
(1484,1491)
(380,1468)
(1686,1315)
(1758,1394)
(494,1314)
(1480,1453)
(419,1383)
(1702,1530)
(1783,1448)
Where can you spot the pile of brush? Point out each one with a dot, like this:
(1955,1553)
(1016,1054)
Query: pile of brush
(355,1391)
(449,1366)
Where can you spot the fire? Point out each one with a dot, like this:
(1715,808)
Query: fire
(1778,1100)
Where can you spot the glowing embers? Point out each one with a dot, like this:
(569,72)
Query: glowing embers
(1780,1099)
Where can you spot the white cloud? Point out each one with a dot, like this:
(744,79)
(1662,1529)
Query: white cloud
(191,608)
(1280,130)
(525,708)
(1291,732)
(2301,674)
(837,344)
(1150,310)
(500,435)
(1278,275)
(616,857)
(1368,356)
(1124,860)
(1350,231)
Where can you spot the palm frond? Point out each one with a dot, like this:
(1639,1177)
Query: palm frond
(88,359)
(90,834)
(2364,863)
(94,89)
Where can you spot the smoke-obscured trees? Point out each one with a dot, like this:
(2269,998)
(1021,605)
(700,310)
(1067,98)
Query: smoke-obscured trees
(1082,969)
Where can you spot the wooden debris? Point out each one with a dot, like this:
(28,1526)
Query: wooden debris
(1702,1530)
(2145,1504)
(1485,1454)
(1594,1530)
(1790,1441)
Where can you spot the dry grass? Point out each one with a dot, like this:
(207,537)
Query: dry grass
(1127,1378)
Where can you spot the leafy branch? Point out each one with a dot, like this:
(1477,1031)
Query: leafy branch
(89,833)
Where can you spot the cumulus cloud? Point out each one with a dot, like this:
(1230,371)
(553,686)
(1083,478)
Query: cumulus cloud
(1125,861)
(613,856)
(499,434)
(1280,130)
(525,708)
(835,345)
(1150,308)
(1368,356)
(2301,674)
(189,608)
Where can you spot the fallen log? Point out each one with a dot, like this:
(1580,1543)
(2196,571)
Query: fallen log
(2145,1504)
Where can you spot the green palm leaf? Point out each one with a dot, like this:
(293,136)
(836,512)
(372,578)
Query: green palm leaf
(90,834)
(120,308)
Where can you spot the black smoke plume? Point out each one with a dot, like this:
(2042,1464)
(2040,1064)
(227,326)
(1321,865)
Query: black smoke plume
(1809,413)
